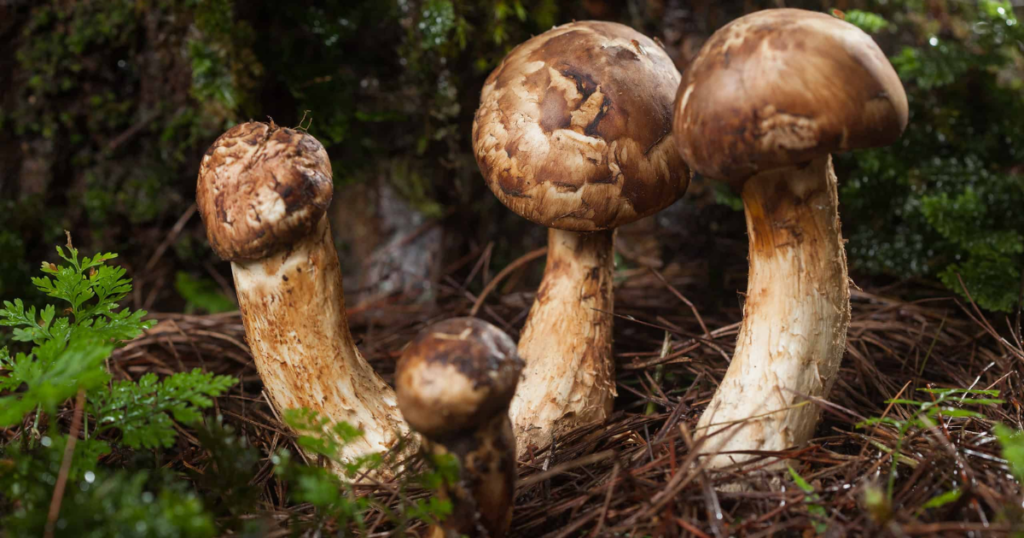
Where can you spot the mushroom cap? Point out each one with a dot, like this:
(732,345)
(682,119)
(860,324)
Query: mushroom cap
(455,375)
(261,187)
(574,129)
(780,87)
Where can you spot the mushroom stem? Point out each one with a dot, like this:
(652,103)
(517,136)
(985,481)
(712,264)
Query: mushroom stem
(567,341)
(293,308)
(483,495)
(795,318)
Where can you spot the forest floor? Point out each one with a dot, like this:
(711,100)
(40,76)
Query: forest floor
(638,475)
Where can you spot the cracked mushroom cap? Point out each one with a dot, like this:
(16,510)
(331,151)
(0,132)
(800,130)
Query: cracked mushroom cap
(780,87)
(574,129)
(455,375)
(261,187)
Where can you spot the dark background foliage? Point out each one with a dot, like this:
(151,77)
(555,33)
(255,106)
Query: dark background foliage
(106,108)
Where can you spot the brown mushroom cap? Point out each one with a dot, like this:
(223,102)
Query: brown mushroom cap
(455,375)
(780,87)
(574,129)
(261,187)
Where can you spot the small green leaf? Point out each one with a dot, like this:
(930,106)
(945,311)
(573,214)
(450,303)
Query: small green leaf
(956,413)
(942,499)
(202,294)
(816,510)
(1013,449)
(912,403)
(799,480)
(869,22)
(951,392)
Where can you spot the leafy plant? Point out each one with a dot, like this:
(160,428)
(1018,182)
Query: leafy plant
(943,499)
(1012,443)
(142,410)
(51,374)
(68,351)
(66,356)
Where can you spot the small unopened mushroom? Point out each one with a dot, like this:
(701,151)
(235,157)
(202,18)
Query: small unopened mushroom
(454,383)
(574,132)
(763,105)
(262,193)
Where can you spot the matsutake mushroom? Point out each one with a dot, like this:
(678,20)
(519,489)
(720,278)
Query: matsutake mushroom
(262,193)
(574,132)
(767,100)
(454,383)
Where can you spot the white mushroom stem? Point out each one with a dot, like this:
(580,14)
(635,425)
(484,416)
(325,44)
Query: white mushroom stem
(567,341)
(293,308)
(795,318)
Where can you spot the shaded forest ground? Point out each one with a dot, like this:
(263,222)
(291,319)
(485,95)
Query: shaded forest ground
(637,475)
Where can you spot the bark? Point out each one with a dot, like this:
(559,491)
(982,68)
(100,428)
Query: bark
(391,252)
(795,318)
(567,341)
(293,306)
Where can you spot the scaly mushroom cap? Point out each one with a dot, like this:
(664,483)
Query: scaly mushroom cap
(780,87)
(261,187)
(574,129)
(455,375)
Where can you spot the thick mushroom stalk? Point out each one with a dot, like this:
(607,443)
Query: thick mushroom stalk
(795,318)
(454,383)
(262,193)
(574,132)
(568,337)
(763,105)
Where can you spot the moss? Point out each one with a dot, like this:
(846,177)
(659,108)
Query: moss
(112,103)
(944,201)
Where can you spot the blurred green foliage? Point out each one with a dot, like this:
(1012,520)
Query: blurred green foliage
(201,294)
(336,498)
(946,200)
(111,105)
(99,502)
(1012,443)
